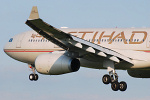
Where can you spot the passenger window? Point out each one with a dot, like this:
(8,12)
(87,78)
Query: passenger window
(107,40)
(134,40)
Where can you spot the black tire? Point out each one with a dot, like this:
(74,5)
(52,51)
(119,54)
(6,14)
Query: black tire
(115,86)
(106,79)
(36,77)
(122,86)
(31,77)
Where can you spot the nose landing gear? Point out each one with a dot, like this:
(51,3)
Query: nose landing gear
(33,76)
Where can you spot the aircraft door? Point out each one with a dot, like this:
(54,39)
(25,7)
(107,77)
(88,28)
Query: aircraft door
(19,41)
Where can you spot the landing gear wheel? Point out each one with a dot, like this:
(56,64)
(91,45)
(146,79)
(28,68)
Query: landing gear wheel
(31,77)
(106,79)
(36,77)
(122,86)
(115,86)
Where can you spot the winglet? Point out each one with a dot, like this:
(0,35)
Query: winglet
(34,13)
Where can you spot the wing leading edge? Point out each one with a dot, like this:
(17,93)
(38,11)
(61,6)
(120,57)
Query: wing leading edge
(72,43)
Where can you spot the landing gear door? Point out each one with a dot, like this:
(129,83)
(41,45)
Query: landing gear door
(19,41)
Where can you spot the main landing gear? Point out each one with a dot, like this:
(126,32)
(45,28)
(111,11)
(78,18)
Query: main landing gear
(113,77)
(33,76)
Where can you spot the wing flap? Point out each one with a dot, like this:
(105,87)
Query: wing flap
(108,52)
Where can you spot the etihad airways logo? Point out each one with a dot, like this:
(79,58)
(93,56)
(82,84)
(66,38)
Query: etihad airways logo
(99,36)
(114,36)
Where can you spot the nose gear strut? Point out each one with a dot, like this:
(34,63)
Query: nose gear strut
(33,76)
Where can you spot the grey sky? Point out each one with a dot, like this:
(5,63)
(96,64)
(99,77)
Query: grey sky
(85,84)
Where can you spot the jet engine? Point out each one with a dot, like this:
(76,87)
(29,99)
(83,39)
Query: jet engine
(139,73)
(56,64)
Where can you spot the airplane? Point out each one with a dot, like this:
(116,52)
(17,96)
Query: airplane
(52,51)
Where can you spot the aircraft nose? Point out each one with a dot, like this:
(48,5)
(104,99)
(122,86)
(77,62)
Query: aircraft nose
(5,48)
(8,46)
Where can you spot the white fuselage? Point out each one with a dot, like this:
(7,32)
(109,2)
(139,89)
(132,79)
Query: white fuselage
(132,42)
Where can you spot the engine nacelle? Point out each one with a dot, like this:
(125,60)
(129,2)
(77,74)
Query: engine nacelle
(56,64)
(139,73)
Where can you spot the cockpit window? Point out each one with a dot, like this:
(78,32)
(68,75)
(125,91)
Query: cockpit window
(11,39)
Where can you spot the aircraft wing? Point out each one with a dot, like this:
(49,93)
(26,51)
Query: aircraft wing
(81,47)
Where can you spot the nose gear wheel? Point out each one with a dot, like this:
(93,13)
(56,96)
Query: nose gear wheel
(33,77)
